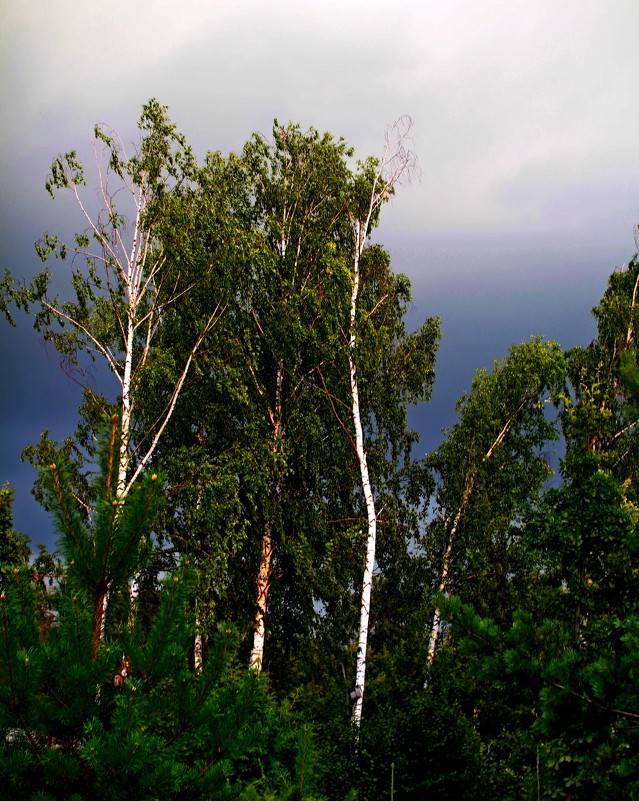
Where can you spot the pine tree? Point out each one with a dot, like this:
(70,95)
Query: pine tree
(95,707)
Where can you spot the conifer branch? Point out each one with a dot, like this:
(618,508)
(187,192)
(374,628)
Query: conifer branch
(604,708)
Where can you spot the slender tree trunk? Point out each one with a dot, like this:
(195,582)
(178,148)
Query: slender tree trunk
(435,628)
(198,660)
(123,457)
(369,561)
(127,398)
(263,584)
(443,584)
(630,336)
(264,573)
(99,618)
(197,640)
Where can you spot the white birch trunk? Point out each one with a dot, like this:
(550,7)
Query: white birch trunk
(125,428)
(369,561)
(133,265)
(395,163)
(443,584)
(198,661)
(469,483)
(198,644)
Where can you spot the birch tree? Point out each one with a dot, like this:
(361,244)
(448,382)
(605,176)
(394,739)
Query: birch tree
(136,262)
(124,280)
(372,187)
(294,200)
(491,463)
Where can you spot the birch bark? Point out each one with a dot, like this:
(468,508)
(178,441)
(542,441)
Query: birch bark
(396,163)
(443,584)
(263,583)
(128,282)
(369,561)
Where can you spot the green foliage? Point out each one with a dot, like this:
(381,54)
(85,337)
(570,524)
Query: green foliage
(14,547)
(554,681)
(137,261)
(249,257)
(260,439)
(238,348)
(425,737)
(94,708)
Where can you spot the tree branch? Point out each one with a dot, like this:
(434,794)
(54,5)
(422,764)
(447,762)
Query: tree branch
(621,712)
(211,322)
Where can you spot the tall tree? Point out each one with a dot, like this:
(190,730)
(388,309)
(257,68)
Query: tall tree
(124,277)
(490,465)
(295,189)
(136,263)
(371,188)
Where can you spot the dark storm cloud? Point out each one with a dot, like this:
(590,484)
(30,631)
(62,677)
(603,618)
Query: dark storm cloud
(525,128)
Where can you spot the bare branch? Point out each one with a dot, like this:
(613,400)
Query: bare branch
(210,324)
(399,164)
(96,343)
(379,303)
(623,431)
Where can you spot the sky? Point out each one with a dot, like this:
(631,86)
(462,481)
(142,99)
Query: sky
(525,124)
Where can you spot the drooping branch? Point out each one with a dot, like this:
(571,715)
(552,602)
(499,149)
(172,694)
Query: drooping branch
(102,349)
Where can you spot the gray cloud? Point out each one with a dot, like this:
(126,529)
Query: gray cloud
(525,127)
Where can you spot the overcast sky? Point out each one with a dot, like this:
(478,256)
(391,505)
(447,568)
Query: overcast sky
(525,125)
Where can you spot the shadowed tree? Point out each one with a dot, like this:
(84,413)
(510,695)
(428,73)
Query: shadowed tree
(126,714)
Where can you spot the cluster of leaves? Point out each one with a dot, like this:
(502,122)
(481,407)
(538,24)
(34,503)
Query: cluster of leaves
(14,547)
(94,707)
